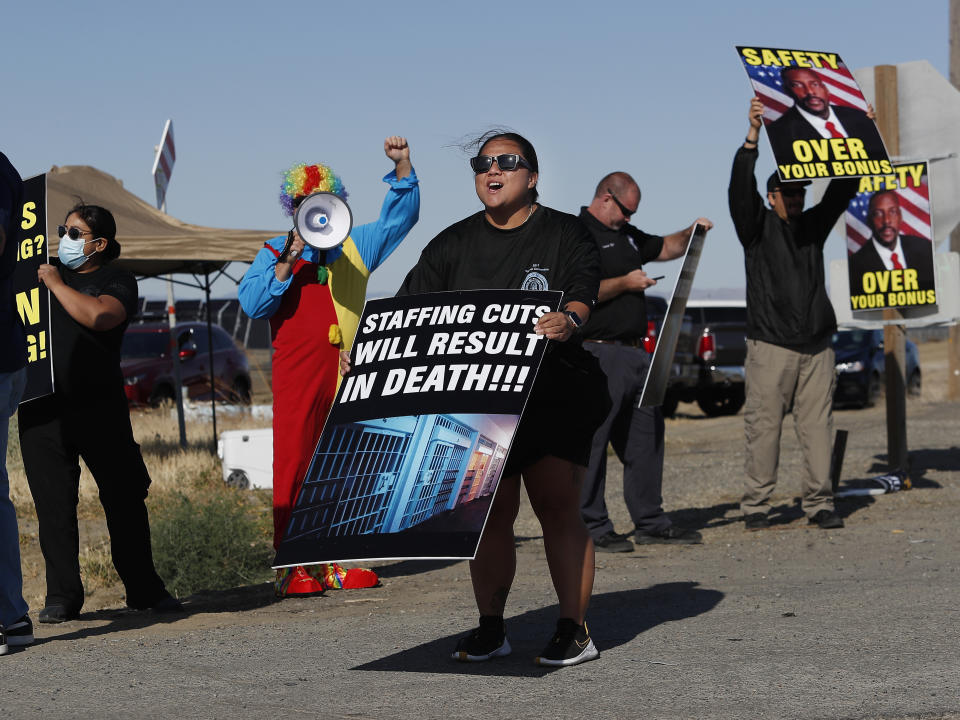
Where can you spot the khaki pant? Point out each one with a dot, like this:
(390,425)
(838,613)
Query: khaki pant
(781,381)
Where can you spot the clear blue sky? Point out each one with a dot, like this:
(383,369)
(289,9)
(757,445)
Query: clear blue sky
(655,89)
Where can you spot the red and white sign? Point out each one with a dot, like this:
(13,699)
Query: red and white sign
(163,163)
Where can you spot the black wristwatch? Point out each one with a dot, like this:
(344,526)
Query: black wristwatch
(574,318)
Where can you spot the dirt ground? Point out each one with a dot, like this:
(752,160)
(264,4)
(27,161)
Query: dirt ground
(701,474)
(790,622)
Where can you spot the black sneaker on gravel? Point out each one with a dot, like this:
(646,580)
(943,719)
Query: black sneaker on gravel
(671,535)
(57,614)
(825,519)
(570,645)
(3,642)
(756,521)
(20,633)
(612,542)
(484,642)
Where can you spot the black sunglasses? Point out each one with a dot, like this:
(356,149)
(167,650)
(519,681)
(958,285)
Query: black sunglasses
(791,192)
(73,232)
(627,213)
(507,161)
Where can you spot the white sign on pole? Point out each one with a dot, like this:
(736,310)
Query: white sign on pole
(163,163)
(929,117)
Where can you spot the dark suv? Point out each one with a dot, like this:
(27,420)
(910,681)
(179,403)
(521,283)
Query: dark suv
(860,367)
(148,370)
(719,339)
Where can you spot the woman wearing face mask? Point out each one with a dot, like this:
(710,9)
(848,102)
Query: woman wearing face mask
(87,416)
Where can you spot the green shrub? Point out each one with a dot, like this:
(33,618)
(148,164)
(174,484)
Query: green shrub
(211,541)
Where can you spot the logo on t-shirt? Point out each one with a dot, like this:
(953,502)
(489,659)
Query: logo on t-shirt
(535,280)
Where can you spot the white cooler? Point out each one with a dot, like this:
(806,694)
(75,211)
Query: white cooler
(247,457)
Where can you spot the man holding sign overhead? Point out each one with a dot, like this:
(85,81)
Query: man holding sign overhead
(790,322)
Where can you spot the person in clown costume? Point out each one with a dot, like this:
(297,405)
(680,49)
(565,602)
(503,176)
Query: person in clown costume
(313,299)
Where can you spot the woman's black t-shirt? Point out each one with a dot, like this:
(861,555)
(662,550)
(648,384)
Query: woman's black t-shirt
(551,251)
(86,363)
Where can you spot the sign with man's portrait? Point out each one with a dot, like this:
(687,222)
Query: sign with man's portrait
(889,245)
(815,114)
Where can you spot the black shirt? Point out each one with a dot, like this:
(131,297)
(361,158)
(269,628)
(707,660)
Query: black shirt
(623,317)
(551,251)
(787,301)
(86,363)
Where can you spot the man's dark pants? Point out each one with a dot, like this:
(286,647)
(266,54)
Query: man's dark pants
(636,435)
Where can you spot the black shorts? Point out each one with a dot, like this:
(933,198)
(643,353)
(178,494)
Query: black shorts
(567,403)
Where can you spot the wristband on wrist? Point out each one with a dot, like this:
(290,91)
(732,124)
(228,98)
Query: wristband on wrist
(752,142)
(574,319)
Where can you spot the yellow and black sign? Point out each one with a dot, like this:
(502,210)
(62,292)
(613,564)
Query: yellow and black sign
(33,299)
(889,246)
(815,114)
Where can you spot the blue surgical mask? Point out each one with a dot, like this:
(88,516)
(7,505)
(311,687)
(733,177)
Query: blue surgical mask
(71,254)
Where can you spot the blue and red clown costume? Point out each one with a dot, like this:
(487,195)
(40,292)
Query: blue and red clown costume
(314,314)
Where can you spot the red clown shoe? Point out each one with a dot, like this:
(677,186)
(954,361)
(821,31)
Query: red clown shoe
(335,577)
(296,582)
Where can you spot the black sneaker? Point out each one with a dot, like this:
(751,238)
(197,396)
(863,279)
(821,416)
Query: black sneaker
(484,642)
(827,520)
(612,543)
(165,603)
(756,521)
(20,633)
(57,614)
(672,535)
(168,604)
(570,645)
(4,649)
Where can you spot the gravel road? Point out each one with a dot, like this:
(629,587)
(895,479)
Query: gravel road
(792,622)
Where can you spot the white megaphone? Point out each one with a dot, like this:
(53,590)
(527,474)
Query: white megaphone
(323,220)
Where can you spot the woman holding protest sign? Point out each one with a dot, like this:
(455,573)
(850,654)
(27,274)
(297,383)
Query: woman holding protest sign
(87,417)
(516,243)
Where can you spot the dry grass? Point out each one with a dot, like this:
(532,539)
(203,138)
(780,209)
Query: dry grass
(193,472)
(96,567)
(170,467)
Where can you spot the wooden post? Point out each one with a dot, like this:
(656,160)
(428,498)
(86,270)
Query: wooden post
(894,336)
(953,346)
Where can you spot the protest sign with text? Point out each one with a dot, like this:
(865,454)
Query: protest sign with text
(815,114)
(418,435)
(889,245)
(33,299)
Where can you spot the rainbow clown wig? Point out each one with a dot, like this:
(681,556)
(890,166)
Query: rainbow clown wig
(301,180)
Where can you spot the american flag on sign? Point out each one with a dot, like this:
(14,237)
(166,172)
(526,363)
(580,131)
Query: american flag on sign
(843,89)
(163,163)
(914,212)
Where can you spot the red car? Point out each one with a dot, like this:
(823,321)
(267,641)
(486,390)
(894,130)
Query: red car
(148,370)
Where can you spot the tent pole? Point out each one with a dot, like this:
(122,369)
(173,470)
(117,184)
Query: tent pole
(174,350)
(213,389)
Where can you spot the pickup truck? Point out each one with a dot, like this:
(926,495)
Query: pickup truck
(708,364)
